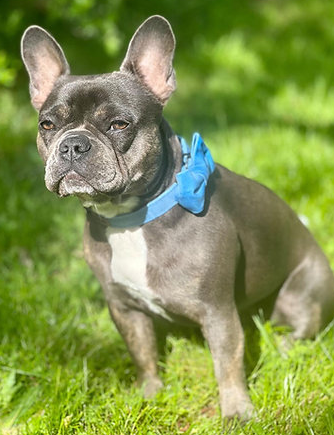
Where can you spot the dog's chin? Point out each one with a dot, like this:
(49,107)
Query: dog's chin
(74,184)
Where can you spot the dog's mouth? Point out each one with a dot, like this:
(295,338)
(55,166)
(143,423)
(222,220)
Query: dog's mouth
(73,183)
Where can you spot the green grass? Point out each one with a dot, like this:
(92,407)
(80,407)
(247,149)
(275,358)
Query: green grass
(256,79)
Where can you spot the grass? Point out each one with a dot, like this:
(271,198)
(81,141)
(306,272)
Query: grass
(265,108)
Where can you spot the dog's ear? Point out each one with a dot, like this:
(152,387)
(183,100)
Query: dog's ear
(45,62)
(150,57)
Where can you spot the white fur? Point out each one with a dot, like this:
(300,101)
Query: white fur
(110,209)
(129,265)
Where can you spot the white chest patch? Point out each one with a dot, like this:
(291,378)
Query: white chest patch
(129,264)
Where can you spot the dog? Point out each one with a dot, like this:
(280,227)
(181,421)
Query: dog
(169,234)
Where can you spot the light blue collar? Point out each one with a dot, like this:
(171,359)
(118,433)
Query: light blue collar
(188,190)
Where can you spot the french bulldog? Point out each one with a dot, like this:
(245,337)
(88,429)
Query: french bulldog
(103,139)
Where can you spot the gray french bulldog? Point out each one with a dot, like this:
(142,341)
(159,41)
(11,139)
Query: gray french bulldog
(103,138)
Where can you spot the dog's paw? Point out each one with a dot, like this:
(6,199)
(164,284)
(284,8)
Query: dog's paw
(241,408)
(150,386)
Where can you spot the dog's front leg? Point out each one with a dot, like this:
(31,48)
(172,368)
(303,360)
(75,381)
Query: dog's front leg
(135,327)
(223,332)
(138,333)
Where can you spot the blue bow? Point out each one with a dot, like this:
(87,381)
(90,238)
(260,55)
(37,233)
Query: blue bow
(188,190)
(194,175)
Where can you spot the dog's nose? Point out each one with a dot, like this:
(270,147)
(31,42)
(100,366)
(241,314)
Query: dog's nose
(74,146)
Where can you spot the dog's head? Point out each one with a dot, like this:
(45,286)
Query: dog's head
(99,135)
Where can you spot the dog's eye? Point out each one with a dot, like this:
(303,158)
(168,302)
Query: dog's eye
(117,125)
(47,125)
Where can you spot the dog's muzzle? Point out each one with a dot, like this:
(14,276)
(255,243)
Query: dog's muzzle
(74,147)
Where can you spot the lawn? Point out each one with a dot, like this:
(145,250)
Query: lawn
(257,80)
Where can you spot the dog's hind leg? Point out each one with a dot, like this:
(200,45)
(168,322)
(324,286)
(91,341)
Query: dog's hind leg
(306,300)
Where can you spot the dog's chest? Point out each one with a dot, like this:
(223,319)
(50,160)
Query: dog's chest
(129,266)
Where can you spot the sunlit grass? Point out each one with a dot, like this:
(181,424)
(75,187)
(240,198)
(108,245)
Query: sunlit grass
(261,94)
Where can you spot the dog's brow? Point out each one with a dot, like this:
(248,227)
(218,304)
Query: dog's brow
(101,111)
(62,110)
